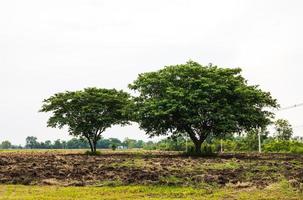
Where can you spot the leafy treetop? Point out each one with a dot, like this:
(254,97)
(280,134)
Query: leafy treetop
(88,112)
(200,101)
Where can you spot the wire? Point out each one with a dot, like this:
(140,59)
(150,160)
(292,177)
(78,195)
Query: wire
(290,107)
(301,126)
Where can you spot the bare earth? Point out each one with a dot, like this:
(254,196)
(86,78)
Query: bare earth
(156,168)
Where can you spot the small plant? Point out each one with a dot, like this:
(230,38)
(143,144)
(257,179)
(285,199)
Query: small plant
(96,153)
(206,150)
(114,147)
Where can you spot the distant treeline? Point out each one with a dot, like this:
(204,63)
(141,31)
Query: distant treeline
(74,143)
(234,143)
(243,143)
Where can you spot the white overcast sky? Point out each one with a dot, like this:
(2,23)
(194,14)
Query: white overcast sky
(57,45)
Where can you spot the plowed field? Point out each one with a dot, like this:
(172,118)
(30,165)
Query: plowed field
(150,168)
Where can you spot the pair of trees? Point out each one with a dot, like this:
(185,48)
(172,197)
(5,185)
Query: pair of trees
(188,99)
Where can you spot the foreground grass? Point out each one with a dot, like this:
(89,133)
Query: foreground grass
(276,191)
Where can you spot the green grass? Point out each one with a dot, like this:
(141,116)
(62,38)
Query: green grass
(17,192)
(130,163)
(221,166)
(171,180)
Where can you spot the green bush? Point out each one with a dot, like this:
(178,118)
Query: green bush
(283,146)
(114,147)
(247,143)
(296,149)
(89,153)
(206,150)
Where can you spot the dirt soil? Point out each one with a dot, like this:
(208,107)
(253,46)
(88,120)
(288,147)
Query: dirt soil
(239,170)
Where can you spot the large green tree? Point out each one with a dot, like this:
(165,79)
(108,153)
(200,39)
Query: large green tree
(200,101)
(88,113)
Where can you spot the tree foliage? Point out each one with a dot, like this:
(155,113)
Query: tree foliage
(31,142)
(200,101)
(284,130)
(89,112)
(6,145)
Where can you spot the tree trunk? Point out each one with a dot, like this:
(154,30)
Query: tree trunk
(95,146)
(197,141)
(90,144)
(198,145)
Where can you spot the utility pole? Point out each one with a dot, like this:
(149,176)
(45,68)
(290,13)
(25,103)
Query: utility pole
(186,144)
(259,139)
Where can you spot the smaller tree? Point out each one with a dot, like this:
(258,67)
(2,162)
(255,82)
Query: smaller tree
(114,142)
(129,143)
(5,145)
(139,144)
(31,142)
(57,144)
(48,144)
(283,129)
(88,113)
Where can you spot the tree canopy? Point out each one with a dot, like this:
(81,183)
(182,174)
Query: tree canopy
(88,113)
(200,101)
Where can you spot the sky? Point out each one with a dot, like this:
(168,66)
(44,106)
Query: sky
(53,46)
